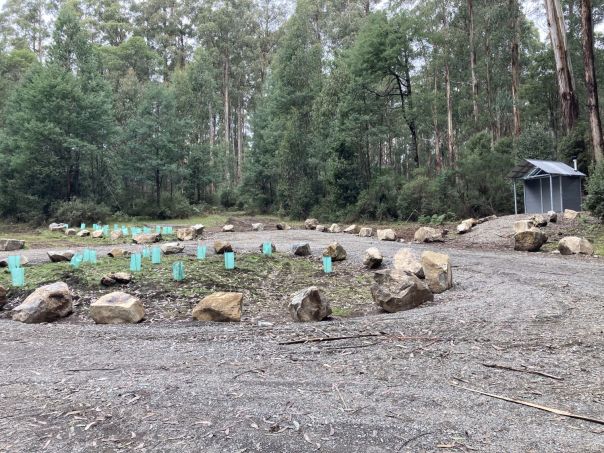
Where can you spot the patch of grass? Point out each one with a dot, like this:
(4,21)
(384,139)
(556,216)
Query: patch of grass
(341,312)
(267,283)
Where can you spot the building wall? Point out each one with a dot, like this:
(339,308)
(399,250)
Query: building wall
(532,196)
(566,191)
(571,194)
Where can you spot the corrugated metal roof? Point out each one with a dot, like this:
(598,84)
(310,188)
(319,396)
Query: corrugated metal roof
(548,166)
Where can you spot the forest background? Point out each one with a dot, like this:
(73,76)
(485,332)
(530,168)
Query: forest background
(347,109)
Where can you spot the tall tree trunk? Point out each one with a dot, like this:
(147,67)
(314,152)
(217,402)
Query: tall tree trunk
(212,124)
(591,84)
(473,62)
(227,119)
(489,87)
(450,142)
(240,126)
(557,33)
(515,67)
(438,160)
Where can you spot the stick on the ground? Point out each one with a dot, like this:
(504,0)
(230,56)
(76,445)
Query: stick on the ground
(522,370)
(320,340)
(535,406)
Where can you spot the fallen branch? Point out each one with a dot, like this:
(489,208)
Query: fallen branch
(522,370)
(534,405)
(324,339)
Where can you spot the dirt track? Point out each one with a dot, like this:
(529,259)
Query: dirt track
(191,387)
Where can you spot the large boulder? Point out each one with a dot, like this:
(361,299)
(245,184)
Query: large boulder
(407,261)
(172,248)
(373,258)
(336,251)
(115,235)
(569,214)
(539,220)
(60,256)
(523,225)
(23,260)
(310,224)
(186,234)
(220,248)
(437,271)
(573,245)
(3,298)
(302,249)
(57,227)
(117,308)
(366,232)
(552,216)
(46,304)
(98,234)
(335,228)
(320,228)
(428,234)
(122,278)
(118,253)
(10,245)
(83,233)
(71,232)
(198,228)
(466,226)
(398,291)
(352,229)
(309,305)
(282,226)
(257,226)
(219,307)
(530,240)
(146,238)
(228,228)
(386,235)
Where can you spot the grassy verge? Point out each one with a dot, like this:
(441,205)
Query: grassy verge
(267,283)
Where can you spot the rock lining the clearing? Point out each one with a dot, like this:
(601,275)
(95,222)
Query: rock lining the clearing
(215,387)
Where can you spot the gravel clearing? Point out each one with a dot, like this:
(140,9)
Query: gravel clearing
(204,387)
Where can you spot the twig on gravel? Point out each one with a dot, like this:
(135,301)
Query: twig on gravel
(408,441)
(521,370)
(258,371)
(323,339)
(335,387)
(534,405)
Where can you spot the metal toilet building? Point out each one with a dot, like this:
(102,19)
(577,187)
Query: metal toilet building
(548,186)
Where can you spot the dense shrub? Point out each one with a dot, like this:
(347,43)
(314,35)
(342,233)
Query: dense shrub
(535,142)
(379,200)
(595,187)
(78,211)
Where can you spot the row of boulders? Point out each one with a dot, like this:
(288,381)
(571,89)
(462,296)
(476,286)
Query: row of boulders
(412,281)
(468,224)
(55,301)
(387,234)
(528,236)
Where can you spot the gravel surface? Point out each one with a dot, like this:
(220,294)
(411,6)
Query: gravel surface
(234,388)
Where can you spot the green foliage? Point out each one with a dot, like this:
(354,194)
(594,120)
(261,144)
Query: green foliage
(574,146)
(483,187)
(595,189)
(535,142)
(76,211)
(378,201)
